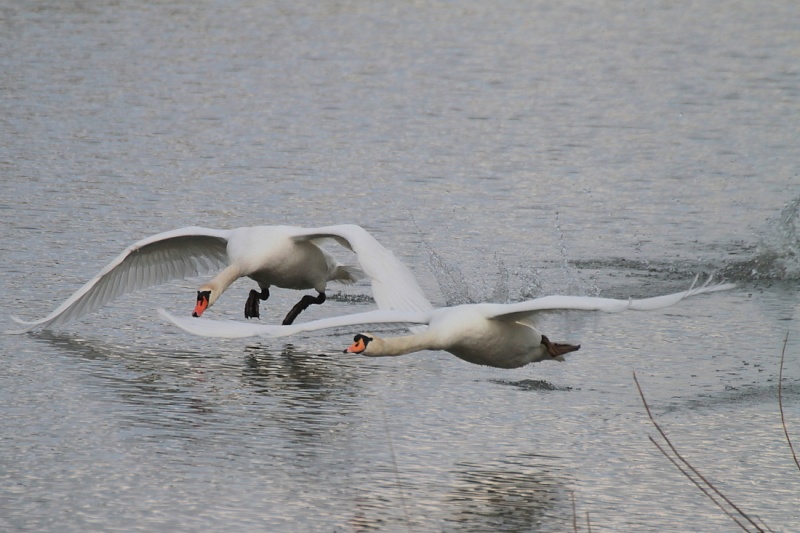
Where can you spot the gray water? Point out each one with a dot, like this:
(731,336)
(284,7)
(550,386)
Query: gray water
(504,151)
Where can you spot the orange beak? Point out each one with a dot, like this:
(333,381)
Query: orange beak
(357,347)
(202,304)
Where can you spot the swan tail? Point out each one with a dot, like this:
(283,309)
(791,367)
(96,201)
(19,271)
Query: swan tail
(348,274)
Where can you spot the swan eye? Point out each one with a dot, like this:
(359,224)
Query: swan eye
(203,295)
(360,342)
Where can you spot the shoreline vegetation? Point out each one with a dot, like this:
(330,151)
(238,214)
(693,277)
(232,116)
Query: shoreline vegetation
(746,521)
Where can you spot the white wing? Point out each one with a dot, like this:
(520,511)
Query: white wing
(234,330)
(526,310)
(393,284)
(171,255)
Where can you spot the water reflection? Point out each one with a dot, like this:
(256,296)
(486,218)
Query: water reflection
(516,493)
(173,392)
(162,390)
(312,396)
(736,397)
(266,371)
(530,384)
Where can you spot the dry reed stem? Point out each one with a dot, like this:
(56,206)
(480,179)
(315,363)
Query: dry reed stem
(574,513)
(394,467)
(696,483)
(780,401)
(689,465)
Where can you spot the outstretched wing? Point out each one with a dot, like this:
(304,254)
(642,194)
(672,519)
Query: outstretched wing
(171,255)
(233,330)
(528,309)
(393,284)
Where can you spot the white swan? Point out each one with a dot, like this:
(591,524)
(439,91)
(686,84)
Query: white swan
(283,256)
(499,335)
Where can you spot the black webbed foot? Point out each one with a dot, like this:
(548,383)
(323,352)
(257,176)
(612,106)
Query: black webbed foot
(251,305)
(301,306)
(556,349)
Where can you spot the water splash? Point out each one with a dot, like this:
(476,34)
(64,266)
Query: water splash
(573,284)
(529,281)
(777,256)
(782,241)
(450,278)
(524,282)
(340,296)
(500,293)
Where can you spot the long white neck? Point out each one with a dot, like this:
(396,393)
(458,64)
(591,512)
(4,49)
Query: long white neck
(382,347)
(222,281)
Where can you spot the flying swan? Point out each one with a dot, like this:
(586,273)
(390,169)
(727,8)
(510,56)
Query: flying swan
(280,256)
(498,335)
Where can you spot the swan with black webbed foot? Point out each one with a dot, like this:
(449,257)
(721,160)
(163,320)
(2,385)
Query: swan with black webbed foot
(282,256)
(498,335)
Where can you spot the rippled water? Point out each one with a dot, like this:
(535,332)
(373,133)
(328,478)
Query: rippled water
(503,150)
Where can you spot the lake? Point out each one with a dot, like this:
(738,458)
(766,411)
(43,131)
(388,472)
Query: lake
(503,151)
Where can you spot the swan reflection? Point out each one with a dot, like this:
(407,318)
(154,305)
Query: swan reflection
(516,493)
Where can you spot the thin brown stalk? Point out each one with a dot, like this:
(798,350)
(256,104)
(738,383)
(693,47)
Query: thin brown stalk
(765,526)
(574,514)
(780,402)
(689,465)
(394,466)
(696,483)
(588,523)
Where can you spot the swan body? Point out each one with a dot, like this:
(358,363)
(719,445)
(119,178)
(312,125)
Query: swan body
(282,256)
(467,332)
(498,335)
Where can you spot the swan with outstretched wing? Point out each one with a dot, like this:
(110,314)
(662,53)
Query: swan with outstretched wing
(281,256)
(498,335)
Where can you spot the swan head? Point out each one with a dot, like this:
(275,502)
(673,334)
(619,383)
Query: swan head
(206,296)
(360,343)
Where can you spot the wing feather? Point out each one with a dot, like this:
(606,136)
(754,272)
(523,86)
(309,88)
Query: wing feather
(233,330)
(530,308)
(167,256)
(522,311)
(394,287)
(116,282)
